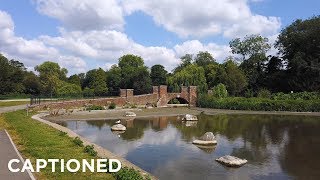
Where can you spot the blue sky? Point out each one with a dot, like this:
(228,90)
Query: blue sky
(81,35)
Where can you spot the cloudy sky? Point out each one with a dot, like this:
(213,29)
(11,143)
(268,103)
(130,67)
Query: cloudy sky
(86,34)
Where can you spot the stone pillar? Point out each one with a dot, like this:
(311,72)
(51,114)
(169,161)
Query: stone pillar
(155,89)
(129,92)
(193,95)
(123,93)
(163,96)
(184,93)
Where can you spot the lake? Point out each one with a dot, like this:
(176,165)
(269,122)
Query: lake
(276,146)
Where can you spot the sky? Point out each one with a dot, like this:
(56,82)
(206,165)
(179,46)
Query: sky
(85,34)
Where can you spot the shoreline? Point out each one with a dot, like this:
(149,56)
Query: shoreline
(156,112)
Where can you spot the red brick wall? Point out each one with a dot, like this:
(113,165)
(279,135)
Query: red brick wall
(160,96)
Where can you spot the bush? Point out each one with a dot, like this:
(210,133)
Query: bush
(94,107)
(264,93)
(128,174)
(78,141)
(296,96)
(112,105)
(220,91)
(87,92)
(90,150)
(69,90)
(258,104)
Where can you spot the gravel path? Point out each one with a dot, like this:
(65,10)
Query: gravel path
(12,108)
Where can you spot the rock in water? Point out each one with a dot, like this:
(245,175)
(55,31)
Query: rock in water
(207,139)
(231,161)
(130,114)
(208,136)
(118,127)
(189,117)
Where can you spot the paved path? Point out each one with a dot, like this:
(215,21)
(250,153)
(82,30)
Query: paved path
(12,108)
(8,151)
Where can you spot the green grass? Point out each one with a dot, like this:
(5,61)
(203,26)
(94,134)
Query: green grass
(36,140)
(12,103)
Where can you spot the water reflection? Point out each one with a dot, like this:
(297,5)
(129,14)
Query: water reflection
(277,147)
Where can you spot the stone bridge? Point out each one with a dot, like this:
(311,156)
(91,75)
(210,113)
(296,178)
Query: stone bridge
(159,97)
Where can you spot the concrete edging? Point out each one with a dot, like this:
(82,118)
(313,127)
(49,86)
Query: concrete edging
(102,152)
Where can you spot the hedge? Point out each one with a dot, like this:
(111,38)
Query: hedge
(258,104)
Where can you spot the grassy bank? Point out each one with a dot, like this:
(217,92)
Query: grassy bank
(258,104)
(39,141)
(12,103)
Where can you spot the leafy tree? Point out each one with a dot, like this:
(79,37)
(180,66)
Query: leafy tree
(191,75)
(232,76)
(96,80)
(299,46)
(69,90)
(11,76)
(186,60)
(220,91)
(204,59)
(249,46)
(75,79)
(51,76)
(32,84)
(158,75)
(253,50)
(114,79)
(134,74)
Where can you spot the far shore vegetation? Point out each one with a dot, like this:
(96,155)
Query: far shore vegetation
(250,79)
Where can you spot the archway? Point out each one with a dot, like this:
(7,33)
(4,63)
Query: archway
(178,101)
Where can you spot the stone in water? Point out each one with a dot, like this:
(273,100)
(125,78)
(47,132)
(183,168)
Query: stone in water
(207,139)
(189,117)
(118,127)
(130,114)
(231,161)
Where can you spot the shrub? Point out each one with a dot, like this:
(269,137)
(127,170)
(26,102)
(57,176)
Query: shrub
(264,93)
(112,105)
(90,150)
(220,91)
(258,104)
(128,174)
(87,92)
(61,133)
(78,141)
(94,107)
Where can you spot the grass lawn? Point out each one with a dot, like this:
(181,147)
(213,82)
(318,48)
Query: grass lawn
(12,103)
(36,140)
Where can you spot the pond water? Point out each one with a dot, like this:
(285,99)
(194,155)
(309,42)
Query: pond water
(276,147)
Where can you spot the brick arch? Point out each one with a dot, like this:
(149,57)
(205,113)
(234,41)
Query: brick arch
(179,98)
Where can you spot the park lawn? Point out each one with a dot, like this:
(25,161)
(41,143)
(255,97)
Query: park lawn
(12,103)
(36,140)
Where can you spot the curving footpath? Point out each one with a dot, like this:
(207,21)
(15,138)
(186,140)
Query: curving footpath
(9,151)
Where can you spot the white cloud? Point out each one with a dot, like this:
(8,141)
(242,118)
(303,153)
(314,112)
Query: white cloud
(31,52)
(198,18)
(84,14)
(219,52)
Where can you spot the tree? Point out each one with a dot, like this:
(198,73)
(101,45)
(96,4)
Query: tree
(299,46)
(31,83)
(253,50)
(134,74)
(204,59)
(11,76)
(186,60)
(232,76)
(51,76)
(96,80)
(75,79)
(249,46)
(69,90)
(114,79)
(191,75)
(158,75)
